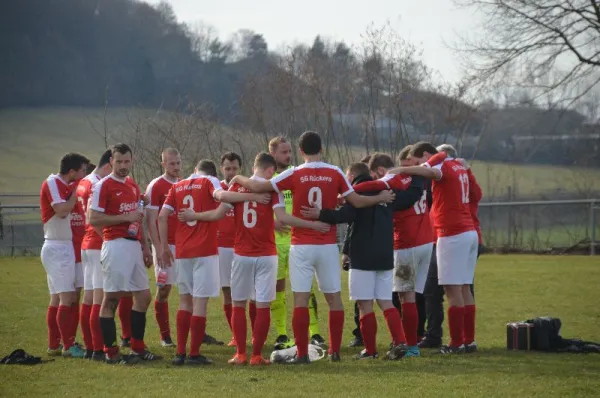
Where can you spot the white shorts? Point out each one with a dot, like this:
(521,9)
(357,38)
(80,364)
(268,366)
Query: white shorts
(456,258)
(58,259)
(198,276)
(370,285)
(322,260)
(92,269)
(171,271)
(256,275)
(410,268)
(79,276)
(123,268)
(225,261)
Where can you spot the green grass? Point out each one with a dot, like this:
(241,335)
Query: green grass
(508,288)
(38,137)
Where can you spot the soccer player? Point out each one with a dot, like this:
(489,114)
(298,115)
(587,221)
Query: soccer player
(456,248)
(195,201)
(124,255)
(90,257)
(57,200)
(231,164)
(413,242)
(319,183)
(78,231)
(157,192)
(281,150)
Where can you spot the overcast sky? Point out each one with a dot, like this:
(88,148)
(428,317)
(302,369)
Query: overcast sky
(426,23)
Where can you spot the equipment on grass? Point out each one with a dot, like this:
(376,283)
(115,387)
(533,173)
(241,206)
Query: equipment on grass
(282,356)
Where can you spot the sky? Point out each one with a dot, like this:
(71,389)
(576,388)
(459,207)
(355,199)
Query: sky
(428,24)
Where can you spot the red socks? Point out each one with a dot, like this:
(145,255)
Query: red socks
(96,330)
(64,319)
(336,329)
(161,309)
(184,319)
(410,321)
(74,319)
(86,310)
(198,327)
(469,324)
(368,329)
(394,323)
(53,330)
(300,322)
(227,309)
(124,310)
(240,329)
(252,313)
(260,332)
(456,321)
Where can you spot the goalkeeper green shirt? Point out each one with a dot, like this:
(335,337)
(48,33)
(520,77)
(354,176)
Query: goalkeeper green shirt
(285,238)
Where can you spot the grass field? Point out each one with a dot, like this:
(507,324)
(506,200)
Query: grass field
(508,288)
(35,140)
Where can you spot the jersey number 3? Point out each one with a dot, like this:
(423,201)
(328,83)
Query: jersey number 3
(188,201)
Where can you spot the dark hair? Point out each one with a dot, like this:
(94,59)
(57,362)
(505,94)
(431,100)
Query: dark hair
(264,160)
(366,159)
(207,167)
(105,158)
(72,161)
(405,152)
(121,148)
(310,143)
(231,156)
(90,167)
(359,169)
(421,147)
(379,159)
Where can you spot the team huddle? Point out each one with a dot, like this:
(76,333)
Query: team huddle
(207,236)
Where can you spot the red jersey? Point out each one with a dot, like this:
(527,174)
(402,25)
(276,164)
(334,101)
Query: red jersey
(475,195)
(194,238)
(255,225)
(112,197)
(227,226)
(78,226)
(315,183)
(157,192)
(54,191)
(412,227)
(91,239)
(450,209)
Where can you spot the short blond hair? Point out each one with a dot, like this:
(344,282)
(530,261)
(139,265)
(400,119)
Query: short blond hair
(169,151)
(449,149)
(274,143)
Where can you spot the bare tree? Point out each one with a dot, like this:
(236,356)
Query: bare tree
(549,46)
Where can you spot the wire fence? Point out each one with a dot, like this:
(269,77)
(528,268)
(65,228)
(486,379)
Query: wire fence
(558,226)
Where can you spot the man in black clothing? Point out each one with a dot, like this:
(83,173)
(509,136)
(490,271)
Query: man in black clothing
(371,251)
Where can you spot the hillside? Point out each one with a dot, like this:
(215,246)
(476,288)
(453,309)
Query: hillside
(34,139)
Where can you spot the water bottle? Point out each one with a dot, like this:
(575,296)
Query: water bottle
(134,227)
(161,277)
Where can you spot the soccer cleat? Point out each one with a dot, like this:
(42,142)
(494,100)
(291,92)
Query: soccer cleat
(238,359)
(413,351)
(363,355)
(54,352)
(471,348)
(258,360)
(357,342)
(98,356)
(167,342)
(232,343)
(198,360)
(318,340)
(335,357)
(147,355)
(305,360)
(208,339)
(446,349)
(73,352)
(282,342)
(429,343)
(178,360)
(397,352)
(117,359)
(125,342)
(88,354)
